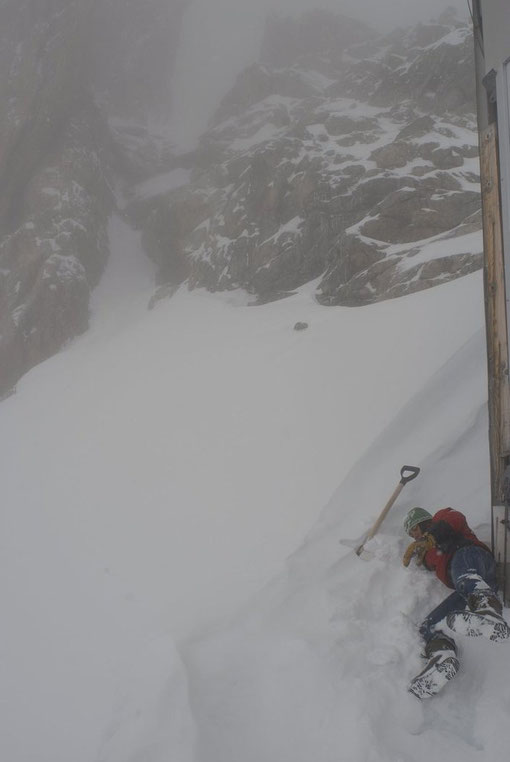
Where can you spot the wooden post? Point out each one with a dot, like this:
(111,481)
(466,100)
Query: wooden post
(497,344)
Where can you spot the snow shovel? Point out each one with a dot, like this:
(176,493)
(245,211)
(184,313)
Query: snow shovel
(412,472)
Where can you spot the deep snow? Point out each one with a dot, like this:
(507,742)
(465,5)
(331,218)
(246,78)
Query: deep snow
(158,473)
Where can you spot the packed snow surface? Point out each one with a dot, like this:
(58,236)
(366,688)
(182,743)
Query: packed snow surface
(173,587)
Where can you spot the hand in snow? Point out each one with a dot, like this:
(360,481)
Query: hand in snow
(419,548)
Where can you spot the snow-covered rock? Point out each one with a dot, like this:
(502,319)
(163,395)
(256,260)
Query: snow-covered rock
(60,156)
(327,160)
(56,253)
(331,158)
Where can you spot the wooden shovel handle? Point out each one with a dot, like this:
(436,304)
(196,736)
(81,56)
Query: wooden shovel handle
(413,473)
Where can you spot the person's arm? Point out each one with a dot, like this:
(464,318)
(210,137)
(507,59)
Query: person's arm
(419,549)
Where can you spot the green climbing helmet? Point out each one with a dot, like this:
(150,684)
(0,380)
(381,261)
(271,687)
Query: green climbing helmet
(415,516)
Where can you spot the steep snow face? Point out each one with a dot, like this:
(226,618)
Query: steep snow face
(318,665)
(159,471)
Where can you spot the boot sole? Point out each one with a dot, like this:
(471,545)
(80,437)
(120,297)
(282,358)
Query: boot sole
(434,677)
(475,625)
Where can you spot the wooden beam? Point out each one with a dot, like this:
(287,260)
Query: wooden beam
(497,336)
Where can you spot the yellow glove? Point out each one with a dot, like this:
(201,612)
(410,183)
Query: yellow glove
(419,548)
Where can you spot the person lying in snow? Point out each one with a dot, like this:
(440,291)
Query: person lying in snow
(445,544)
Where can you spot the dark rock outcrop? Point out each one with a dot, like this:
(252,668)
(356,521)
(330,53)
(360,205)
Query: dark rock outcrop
(323,160)
(59,155)
(342,157)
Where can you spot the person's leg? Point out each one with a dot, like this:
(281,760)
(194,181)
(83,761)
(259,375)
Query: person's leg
(440,650)
(434,623)
(473,569)
(474,575)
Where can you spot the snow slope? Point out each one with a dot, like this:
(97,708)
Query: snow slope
(318,667)
(156,475)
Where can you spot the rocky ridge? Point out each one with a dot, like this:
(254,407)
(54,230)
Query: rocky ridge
(341,156)
(61,154)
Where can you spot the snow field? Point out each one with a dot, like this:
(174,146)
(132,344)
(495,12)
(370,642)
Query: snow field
(318,665)
(157,474)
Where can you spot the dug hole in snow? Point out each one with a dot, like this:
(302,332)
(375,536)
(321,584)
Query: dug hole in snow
(157,474)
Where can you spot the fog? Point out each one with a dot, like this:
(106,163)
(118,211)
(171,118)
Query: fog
(220,37)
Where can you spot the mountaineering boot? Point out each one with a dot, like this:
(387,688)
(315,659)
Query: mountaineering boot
(442,666)
(482,617)
(485,602)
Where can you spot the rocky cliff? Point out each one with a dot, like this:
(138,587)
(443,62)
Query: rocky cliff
(69,67)
(341,156)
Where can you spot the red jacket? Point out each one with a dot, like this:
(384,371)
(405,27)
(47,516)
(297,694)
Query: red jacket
(438,559)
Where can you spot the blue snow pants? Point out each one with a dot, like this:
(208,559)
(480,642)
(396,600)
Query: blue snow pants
(471,568)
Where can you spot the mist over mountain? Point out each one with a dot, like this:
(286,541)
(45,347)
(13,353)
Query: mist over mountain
(221,37)
(343,156)
(69,68)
